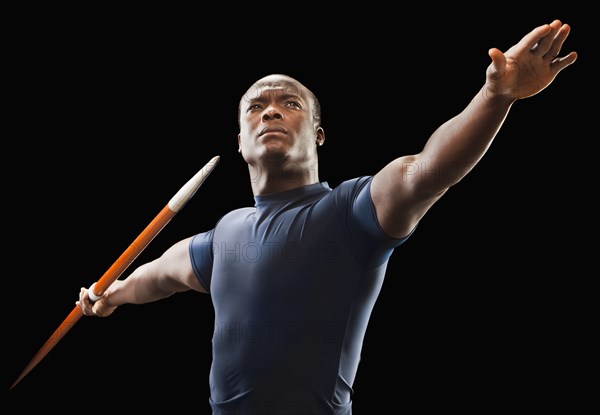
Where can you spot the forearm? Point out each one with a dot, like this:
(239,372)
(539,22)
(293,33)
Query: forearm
(140,287)
(458,144)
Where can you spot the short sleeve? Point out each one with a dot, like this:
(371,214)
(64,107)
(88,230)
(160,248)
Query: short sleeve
(370,243)
(201,254)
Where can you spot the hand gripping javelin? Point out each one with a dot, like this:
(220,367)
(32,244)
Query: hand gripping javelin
(127,257)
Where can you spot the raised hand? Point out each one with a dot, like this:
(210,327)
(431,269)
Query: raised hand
(531,65)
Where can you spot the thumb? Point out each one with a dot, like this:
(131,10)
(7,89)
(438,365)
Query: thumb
(498,65)
(103,308)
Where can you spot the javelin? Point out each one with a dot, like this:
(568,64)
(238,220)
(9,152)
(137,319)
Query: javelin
(127,257)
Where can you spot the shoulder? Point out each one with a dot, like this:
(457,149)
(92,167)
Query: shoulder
(227,219)
(236,214)
(351,188)
(355,183)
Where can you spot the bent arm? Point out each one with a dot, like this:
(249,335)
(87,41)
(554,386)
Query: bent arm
(405,189)
(172,272)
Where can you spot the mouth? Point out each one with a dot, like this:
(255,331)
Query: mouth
(272,129)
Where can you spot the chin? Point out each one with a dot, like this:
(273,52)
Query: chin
(273,154)
(274,158)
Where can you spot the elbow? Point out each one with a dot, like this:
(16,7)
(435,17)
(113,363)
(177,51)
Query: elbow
(434,177)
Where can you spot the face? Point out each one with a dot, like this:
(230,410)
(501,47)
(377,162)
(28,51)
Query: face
(277,123)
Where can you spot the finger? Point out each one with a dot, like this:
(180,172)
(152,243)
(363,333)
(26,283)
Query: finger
(530,40)
(557,43)
(84,302)
(561,63)
(544,44)
(101,308)
(84,308)
(95,308)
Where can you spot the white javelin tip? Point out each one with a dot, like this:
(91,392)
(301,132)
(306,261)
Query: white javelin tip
(187,191)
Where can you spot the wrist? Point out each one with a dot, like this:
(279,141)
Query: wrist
(493,94)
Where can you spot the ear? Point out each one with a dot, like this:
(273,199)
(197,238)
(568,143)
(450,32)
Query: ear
(239,143)
(320,136)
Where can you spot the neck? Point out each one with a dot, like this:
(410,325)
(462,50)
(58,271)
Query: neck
(274,178)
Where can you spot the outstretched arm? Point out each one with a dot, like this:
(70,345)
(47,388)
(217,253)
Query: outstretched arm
(405,189)
(170,273)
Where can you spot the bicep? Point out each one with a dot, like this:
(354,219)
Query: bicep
(399,197)
(176,267)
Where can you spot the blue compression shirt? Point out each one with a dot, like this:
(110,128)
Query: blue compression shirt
(293,281)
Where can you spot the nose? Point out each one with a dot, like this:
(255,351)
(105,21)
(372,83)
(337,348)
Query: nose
(272,113)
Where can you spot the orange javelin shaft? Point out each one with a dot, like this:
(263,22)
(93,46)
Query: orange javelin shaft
(125,259)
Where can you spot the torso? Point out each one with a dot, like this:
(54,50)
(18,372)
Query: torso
(293,281)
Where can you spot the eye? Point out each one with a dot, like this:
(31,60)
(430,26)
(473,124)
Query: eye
(292,104)
(254,107)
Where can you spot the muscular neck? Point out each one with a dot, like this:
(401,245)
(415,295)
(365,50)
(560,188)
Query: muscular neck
(267,178)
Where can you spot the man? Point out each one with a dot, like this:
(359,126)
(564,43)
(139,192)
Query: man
(293,280)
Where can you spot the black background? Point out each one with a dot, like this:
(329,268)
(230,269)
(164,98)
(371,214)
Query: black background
(485,304)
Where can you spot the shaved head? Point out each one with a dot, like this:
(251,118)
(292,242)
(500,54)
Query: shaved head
(287,83)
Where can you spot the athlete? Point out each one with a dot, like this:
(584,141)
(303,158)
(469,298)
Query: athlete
(294,278)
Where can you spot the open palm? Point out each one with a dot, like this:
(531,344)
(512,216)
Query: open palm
(531,65)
